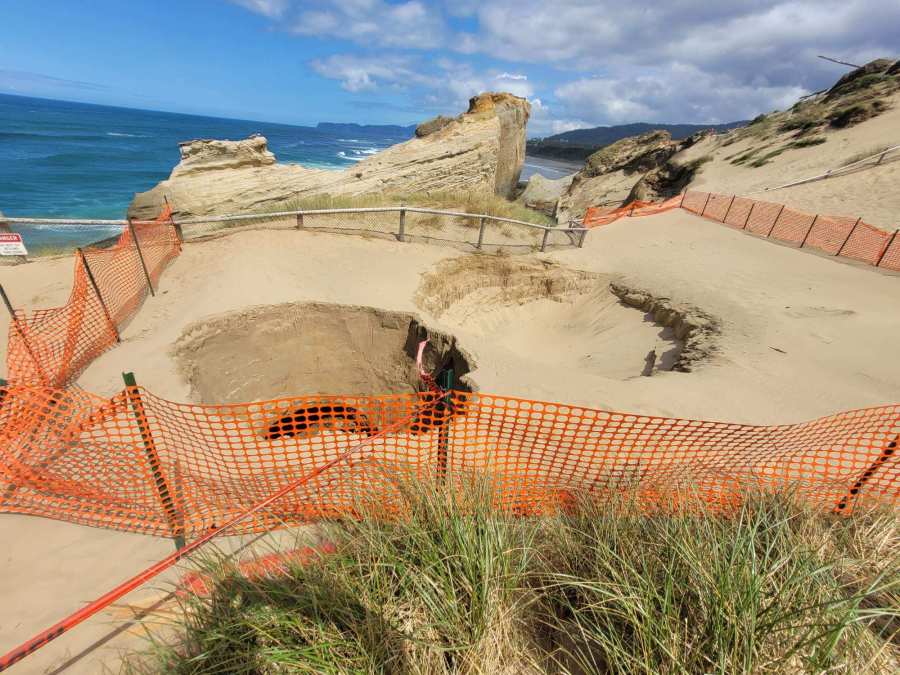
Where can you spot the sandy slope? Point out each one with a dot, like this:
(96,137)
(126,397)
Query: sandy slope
(871,192)
(835,321)
(802,336)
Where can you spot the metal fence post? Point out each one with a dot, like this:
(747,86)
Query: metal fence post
(18,327)
(681,203)
(806,236)
(300,220)
(544,240)
(90,276)
(446,409)
(728,210)
(772,229)
(886,248)
(749,213)
(849,234)
(402,232)
(708,196)
(179,234)
(481,233)
(162,486)
(137,246)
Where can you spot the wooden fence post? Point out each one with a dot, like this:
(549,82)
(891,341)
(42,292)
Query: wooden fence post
(300,220)
(544,240)
(18,327)
(159,479)
(90,276)
(708,196)
(401,234)
(481,233)
(137,247)
(849,234)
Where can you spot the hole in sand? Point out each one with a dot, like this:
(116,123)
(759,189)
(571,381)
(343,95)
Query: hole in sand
(546,314)
(302,349)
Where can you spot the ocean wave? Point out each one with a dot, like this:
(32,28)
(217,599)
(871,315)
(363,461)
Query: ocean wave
(349,140)
(124,135)
(352,158)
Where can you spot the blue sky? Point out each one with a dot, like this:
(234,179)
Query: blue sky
(580,62)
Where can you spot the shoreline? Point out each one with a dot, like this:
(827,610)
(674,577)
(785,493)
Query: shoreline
(548,167)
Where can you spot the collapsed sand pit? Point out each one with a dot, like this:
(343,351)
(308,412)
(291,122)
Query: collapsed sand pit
(550,315)
(296,349)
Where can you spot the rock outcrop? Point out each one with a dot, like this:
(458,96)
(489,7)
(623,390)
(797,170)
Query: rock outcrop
(482,149)
(542,194)
(610,173)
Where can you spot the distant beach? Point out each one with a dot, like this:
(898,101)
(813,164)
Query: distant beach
(550,168)
(62,159)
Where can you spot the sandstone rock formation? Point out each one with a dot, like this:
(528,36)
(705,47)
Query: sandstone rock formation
(482,149)
(542,193)
(610,173)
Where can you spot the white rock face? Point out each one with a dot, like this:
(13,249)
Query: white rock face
(483,148)
(543,193)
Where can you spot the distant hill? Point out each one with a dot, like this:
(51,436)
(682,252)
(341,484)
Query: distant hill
(578,144)
(364,130)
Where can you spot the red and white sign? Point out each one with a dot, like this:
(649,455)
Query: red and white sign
(11,244)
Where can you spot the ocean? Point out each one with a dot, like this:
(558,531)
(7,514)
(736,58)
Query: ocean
(60,159)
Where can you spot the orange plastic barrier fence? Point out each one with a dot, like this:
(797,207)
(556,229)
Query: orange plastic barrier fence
(596,216)
(139,463)
(836,235)
(52,346)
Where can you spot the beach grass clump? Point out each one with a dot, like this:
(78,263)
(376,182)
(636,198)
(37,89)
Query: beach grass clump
(766,158)
(871,152)
(807,142)
(454,586)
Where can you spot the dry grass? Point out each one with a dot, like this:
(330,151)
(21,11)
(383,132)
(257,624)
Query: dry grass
(476,202)
(458,587)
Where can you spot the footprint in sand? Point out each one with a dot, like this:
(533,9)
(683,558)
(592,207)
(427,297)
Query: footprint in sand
(817,312)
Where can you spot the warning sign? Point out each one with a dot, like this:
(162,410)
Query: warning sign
(11,244)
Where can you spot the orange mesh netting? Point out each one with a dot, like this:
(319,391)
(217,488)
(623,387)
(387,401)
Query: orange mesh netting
(836,235)
(140,463)
(52,346)
(596,216)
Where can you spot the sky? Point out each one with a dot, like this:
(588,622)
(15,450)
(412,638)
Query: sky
(581,63)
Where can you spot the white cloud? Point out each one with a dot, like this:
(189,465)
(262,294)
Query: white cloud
(357,73)
(601,61)
(372,23)
(677,93)
(269,8)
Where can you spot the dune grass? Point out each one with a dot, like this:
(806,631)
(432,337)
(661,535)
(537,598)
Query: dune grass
(604,588)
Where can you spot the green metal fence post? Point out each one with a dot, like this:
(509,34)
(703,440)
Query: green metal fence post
(161,484)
